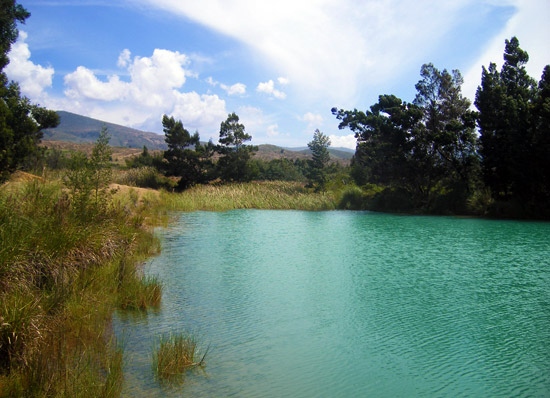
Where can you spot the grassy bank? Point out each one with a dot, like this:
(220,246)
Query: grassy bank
(64,269)
(62,273)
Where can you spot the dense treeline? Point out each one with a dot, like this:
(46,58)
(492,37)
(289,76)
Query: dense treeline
(438,155)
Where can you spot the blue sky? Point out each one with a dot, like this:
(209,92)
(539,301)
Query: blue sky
(281,66)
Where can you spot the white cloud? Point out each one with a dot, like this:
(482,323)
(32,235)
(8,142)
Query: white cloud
(32,78)
(272,130)
(124,58)
(283,81)
(312,119)
(344,141)
(196,110)
(153,89)
(84,83)
(235,89)
(269,88)
(530,25)
(331,48)
(211,81)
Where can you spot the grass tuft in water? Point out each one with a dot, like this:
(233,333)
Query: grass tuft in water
(174,355)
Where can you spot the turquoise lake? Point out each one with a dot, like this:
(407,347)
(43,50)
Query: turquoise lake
(349,304)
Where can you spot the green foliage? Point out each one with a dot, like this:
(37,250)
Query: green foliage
(317,173)
(21,122)
(53,342)
(234,164)
(513,125)
(279,170)
(174,355)
(11,14)
(88,179)
(186,157)
(417,150)
(276,195)
(145,177)
(21,125)
(144,159)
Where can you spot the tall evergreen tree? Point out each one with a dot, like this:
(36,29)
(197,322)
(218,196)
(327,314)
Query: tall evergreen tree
(234,164)
(184,156)
(504,101)
(540,157)
(317,174)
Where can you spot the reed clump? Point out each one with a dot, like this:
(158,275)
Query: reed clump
(63,270)
(276,195)
(174,355)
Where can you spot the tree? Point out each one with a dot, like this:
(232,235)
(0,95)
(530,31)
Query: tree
(317,175)
(100,165)
(10,15)
(234,164)
(424,148)
(448,126)
(185,154)
(88,179)
(21,123)
(505,101)
(540,159)
(385,142)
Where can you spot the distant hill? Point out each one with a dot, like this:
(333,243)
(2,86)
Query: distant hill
(78,129)
(81,129)
(269,152)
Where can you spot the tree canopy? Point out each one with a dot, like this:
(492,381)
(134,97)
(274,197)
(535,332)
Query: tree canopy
(21,123)
(317,175)
(234,164)
(186,157)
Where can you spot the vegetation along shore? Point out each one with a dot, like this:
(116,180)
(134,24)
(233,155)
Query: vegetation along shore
(75,225)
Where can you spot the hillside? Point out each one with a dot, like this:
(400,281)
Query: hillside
(77,129)
(81,129)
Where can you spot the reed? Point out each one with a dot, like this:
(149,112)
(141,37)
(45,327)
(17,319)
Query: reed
(174,355)
(60,280)
(276,195)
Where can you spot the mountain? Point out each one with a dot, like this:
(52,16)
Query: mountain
(78,129)
(81,129)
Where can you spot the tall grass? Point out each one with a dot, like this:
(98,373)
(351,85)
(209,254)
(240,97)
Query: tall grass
(62,273)
(275,195)
(174,355)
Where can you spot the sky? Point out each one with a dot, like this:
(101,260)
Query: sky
(280,65)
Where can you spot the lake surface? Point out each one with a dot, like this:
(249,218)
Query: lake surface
(350,304)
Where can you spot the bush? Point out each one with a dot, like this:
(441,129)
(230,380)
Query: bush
(145,177)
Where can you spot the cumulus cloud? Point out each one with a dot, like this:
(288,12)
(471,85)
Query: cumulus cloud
(153,88)
(269,88)
(32,78)
(343,141)
(124,58)
(235,89)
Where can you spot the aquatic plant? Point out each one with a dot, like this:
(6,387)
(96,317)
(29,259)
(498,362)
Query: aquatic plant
(174,355)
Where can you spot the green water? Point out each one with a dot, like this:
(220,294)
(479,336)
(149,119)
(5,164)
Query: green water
(351,304)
